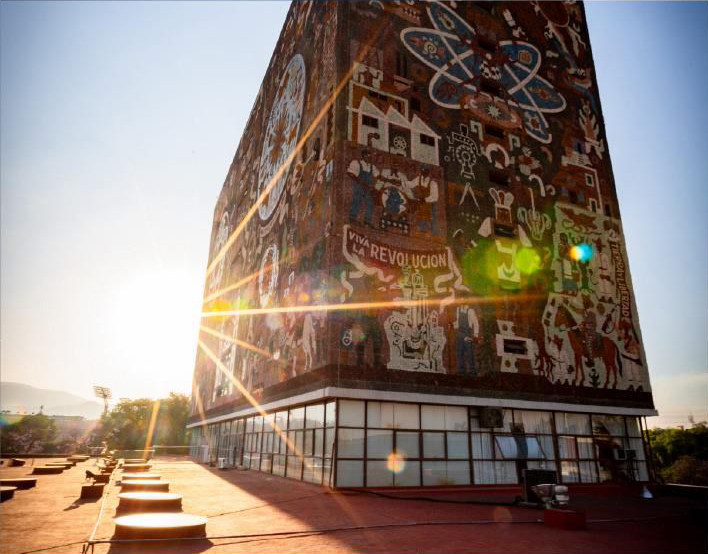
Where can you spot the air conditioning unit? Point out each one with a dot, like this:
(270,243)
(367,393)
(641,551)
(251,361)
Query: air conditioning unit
(491,417)
(221,463)
(620,454)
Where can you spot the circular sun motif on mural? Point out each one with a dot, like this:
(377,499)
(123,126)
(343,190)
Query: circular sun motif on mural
(281,133)
(268,275)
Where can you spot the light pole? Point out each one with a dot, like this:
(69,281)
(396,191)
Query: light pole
(105,393)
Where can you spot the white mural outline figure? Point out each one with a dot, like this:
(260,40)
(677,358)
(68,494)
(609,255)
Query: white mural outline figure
(222,236)
(263,293)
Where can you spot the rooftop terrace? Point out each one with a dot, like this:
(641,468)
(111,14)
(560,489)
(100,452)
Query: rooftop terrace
(255,512)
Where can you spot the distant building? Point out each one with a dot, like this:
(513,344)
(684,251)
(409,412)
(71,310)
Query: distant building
(434,288)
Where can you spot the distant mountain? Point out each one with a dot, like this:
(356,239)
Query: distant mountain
(18,397)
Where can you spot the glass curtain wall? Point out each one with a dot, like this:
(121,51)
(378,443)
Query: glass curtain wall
(295,443)
(391,444)
(384,444)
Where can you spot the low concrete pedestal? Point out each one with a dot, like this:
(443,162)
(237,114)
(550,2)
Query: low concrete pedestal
(47,470)
(65,465)
(140,502)
(127,468)
(101,477)
(147,485)
(6,493)
(21,483)
(160,526)
(92,491)
(77,459)
(149,476)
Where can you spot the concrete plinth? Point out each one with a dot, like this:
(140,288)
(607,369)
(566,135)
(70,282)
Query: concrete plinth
(149,476)
(139,502)
(148,485)
(92,491)
(20,483)
(136,467)
(6,493)
(47,470)
(160,526)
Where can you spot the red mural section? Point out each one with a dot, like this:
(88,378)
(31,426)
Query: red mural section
(450,219)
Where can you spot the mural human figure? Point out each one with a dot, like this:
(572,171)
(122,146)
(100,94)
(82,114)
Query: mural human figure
(605,285)
(368,329)
(426,182)
(309,341)
(584,276)
(466,327)
(363,173)
(632,354)
(588,344)
(569,269)
(562,369)
(588,326)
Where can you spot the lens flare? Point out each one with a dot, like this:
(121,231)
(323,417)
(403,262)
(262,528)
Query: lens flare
(528,261)
(581,252)
(395,462)
(501,514)
(219,306)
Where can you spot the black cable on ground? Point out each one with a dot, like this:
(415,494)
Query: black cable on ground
(285,534)
(267,505)
(295,534)
(52,547)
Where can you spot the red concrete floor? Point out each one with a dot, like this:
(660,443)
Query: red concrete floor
(264,513)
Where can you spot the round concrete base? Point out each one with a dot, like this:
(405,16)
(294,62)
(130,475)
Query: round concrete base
(139,502)
(136,467)
(147,485)
(160,526)
(151,476)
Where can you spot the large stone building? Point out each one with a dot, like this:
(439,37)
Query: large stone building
(417,268)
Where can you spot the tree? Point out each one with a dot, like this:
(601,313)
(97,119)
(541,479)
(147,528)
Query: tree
(174,432)
(33,434)
(127,425)
(681,455)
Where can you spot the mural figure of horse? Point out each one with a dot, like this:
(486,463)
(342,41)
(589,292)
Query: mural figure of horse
(591,345)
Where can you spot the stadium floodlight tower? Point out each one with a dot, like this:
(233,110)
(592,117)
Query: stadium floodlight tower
(105,393)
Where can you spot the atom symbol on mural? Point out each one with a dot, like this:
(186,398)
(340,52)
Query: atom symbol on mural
(460,63)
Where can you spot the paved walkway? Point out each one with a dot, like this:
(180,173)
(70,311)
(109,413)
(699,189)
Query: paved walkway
(262,513)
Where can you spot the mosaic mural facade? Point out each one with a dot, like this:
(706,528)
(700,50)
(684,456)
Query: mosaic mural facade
(450,217)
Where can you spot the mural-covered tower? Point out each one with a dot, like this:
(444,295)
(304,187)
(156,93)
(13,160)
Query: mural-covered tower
(417,270)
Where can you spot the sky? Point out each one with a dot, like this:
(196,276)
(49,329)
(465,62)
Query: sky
(118,125)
